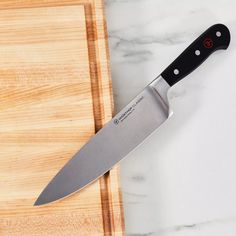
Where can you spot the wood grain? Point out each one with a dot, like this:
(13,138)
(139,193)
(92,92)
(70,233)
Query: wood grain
(55,93)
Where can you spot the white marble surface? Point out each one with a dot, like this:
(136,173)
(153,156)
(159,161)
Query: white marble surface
(182,180)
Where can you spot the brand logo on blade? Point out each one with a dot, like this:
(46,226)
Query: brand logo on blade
(128,112)
(116,121)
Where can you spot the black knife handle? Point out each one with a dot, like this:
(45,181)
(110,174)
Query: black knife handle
(214,38)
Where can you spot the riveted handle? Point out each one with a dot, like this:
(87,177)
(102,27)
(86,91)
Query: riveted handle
(215,38)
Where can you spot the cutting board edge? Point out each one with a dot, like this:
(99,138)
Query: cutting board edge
(113,193)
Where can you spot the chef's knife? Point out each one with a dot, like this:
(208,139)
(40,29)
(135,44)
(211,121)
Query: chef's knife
(134,123)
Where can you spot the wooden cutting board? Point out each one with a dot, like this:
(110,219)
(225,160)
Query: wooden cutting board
(55,93)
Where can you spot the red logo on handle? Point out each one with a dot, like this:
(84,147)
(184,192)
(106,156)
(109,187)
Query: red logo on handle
(208,43)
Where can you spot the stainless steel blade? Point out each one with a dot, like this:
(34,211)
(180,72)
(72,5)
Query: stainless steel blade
(119,137)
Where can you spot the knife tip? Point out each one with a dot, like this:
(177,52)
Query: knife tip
(38,202)
(41,201)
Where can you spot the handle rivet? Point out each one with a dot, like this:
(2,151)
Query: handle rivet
(197,52)
(218,34)
(176,71)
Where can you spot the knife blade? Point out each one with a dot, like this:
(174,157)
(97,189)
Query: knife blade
(134,123)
